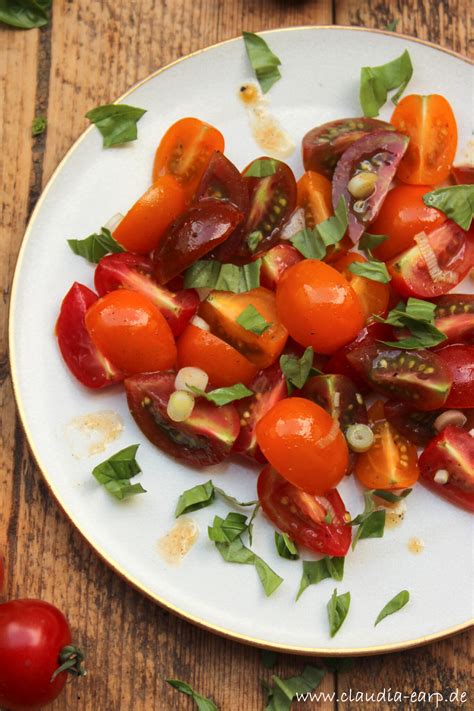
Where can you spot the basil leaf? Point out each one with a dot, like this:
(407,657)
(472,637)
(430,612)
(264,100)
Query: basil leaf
(269,658)
(283,691)
(337,607)
(316,570)
(269,579)
(39,125)
(376,82)
(264,63)
(309,243)
(222,396)
(226,530)
(96,246)
(420,310)
(371,523)
(390,496)
(211,274)
(253,321)
(418,317)
(254,239)
(394,605)
(202,703)
(115,473)
(297,370)
(368,242)
(116,122)
(198,497)
(373,269)
(392,25)
(285,546)
(456,201)
(312,244)
(233,500)
(25,14)
(261,168)
(251,520)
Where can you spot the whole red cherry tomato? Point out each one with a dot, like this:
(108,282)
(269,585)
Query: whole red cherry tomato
(35,643)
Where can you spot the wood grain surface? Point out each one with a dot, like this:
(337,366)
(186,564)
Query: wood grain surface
(90,53)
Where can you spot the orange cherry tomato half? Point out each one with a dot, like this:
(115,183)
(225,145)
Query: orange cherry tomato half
(404,215)
(304,444)
(224,365)
(146,222)
(430,124)
(373,295)
(392,461)
(318,306)
(131,332)
(185,151)
(314,195)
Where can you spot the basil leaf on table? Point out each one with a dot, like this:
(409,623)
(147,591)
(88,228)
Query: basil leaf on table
(297,370)
(223,396)
(286,548)
(376,82)
(456,201)
(393,605)
(211,274)
(38,125)
(116,471)
(25,14)
(202,495)
(373,269)
(264,63)
(261,168)
(316,570)
(283,691)
(392,25)
(96,246)
(202,703)
(116,122)
(337,608)
(252,320)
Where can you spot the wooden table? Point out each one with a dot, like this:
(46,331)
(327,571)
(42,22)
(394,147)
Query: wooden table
(91,52)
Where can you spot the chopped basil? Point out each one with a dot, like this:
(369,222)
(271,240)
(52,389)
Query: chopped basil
(39,125)
(316,570)
(261,168)
(203,495)
(376,82)
(211,274)
(373,269)
(283,691)
(297,370)
(394,605)
(251,520)
(96,246)
(254,239)
(25,14)
(269,658)
(115,473)
(418,317)
(222,396)
(371,523)
(390,496)
(226,530)
(264,63)
(368,242)
(392,25)
(313,244)
(202,703)
(337,607)
(456,201)
(285,546)
(116,122)
(253,321)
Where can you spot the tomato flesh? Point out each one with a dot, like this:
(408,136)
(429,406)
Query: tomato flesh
(452,450)
(275,262)
(338,395)
(454,316)
(373,295)
(223,181)
(459,360)
(205,438)
(416,426)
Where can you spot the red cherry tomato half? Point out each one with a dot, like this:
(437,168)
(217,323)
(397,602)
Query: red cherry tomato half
(146,222)
(454,316)
(402,216)
(453,451)
(223,181)
(83,358)
(131,332)
(305,444)
(32,636)
(275,262)
(131,271)
(304,517)
(459,360)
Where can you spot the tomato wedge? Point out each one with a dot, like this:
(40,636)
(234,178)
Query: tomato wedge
(275,262)
(459,360)
(454,316)
(83,358)
(314,196)
(304,517)
(429,123)
(185,151)
(223,181)
(373,295)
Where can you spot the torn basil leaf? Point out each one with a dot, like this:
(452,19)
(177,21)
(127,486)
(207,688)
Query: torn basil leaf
(222,396)
(392,25)
(116,471)
(226,530)
(337,607)
(418,317)
(252,320)
(313,244)
(116,122)
(316,570)
(251,520)
(264,63)
(38,125)
(282,692)
(202,703)
(376,82)
(456,201)
(203,495)
(394,605)
(211,274)
(96,246)
(368,242)
(373,269)
(390,495)
(261,168)
(286,548)
(297,370)
(371,523)
(25,14)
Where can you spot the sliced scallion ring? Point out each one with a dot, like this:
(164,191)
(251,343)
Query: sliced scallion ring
(360,438)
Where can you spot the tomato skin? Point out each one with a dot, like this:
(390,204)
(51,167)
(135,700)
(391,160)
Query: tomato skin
(32,635)
(402,216)
(131,271)
(373,295)
(275,262)
(453,450)
(314,196)
(463,174)
(223,181)
(459,360)
(338,395)
(418,427)
(430,124)
(83,358)
(131,332)
(301,515)
(224,365)
(146,222)
(454,316)
(304,444)
(311,293)
(185,151)
(194,234)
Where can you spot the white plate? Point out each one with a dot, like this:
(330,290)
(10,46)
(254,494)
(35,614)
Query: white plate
(320,68)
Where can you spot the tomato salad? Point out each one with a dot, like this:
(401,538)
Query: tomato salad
(254,313)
